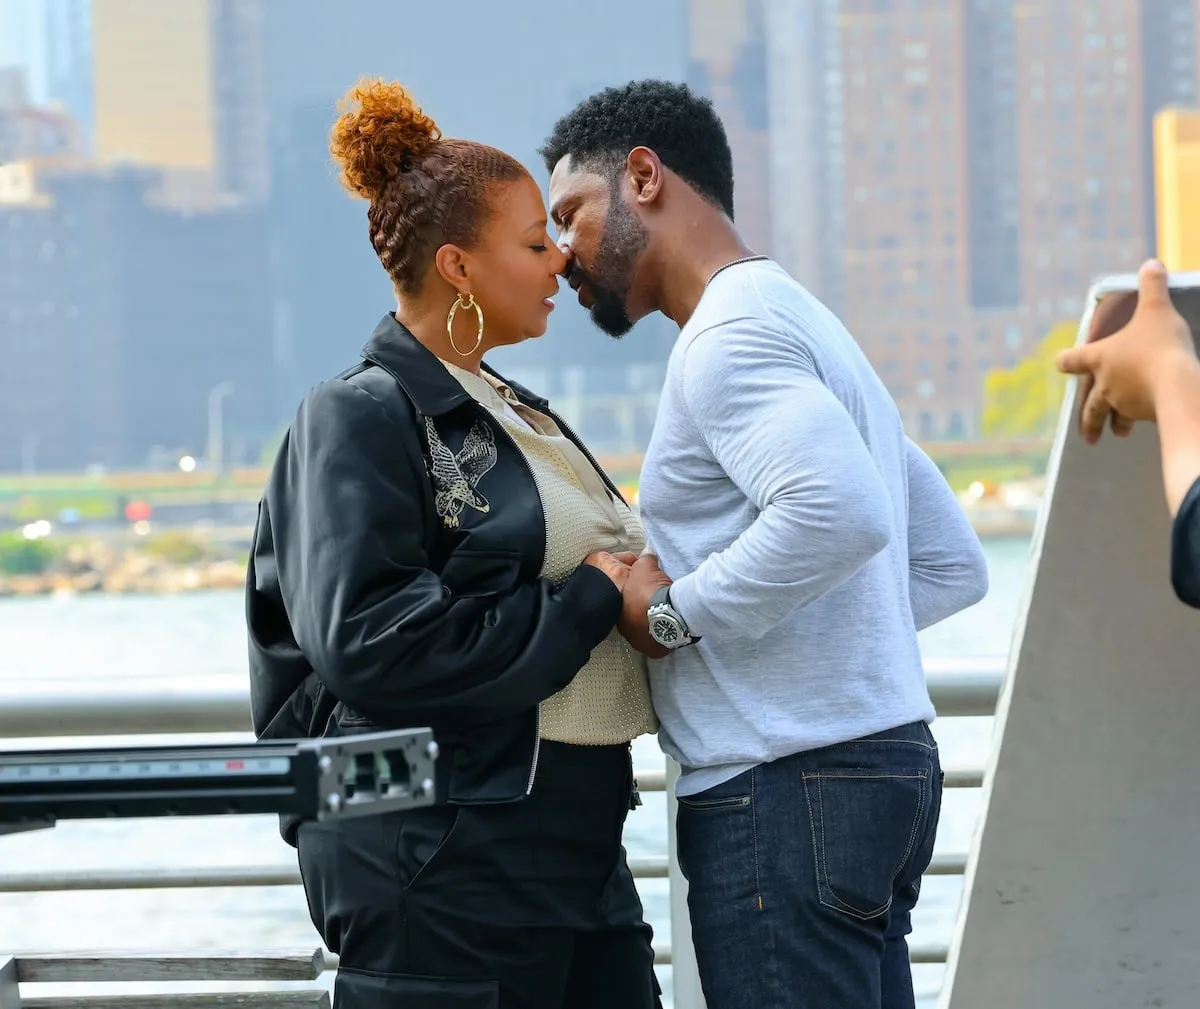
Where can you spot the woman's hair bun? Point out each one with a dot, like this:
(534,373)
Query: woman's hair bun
(380,131)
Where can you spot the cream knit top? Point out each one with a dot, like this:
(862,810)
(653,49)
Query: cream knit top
(608,702)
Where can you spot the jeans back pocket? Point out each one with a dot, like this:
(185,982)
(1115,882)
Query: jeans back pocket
(866,824)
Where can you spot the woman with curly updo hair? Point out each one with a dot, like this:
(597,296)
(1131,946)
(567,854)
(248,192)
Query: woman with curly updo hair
(436,547)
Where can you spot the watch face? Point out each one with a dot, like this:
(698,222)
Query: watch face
(666,630)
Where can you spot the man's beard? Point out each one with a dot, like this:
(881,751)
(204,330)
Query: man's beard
(609,280)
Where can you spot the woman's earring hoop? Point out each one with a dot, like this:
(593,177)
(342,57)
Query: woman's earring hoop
(472,304)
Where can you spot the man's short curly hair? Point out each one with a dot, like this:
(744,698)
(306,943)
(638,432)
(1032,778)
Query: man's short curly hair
(681,127)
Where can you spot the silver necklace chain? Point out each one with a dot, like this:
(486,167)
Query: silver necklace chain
(736,262)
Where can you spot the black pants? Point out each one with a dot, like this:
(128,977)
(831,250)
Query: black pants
(528,905)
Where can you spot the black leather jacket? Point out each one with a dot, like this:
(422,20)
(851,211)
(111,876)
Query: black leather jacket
(1185,549)
(394,579)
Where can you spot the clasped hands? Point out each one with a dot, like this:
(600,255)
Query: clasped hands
(638,578)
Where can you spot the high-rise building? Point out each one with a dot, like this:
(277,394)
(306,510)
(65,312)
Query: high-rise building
(1177,183)
(128,314)
(1080,122)
(727,61)
(180,86)
(37,425)
(198,315)
(153,90)
(989,159)
(906,249)
(1170,35)
(806,143)
(239,97)
(774,79)
(992,157)
(67,28)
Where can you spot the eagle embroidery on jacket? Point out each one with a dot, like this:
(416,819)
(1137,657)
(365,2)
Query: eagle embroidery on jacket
(455,476)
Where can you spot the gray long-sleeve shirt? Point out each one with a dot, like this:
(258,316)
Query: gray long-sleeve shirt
(809,539)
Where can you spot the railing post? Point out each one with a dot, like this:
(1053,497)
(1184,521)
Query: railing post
(10,997)
(685,979)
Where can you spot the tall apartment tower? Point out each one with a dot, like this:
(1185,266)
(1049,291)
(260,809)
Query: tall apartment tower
(1177,185)
(994,158)
(727,60)
(67,30)
(906,191)
(180,86)
(1081,120)
(1170,49)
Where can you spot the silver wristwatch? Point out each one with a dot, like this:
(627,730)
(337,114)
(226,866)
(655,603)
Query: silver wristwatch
(667,627)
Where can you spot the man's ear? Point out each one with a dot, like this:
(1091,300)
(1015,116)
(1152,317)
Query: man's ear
(646,174)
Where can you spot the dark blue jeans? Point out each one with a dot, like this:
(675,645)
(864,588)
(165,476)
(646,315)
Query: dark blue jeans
(803,874)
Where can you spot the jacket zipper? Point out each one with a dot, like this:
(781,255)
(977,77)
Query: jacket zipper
(636,799)
(537,749)
(537,733)
(570,432)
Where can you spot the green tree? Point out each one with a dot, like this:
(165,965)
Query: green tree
(176,547)
(21,556)
(1024,401)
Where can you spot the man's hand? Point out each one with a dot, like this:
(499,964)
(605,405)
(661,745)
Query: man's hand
(1135,341)
(645,579)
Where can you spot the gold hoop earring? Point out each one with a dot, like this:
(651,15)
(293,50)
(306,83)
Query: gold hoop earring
(469,303)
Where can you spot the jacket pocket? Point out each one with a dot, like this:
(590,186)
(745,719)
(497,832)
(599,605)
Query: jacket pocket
(468,573)
(347,718)
(424,840)
(369,989)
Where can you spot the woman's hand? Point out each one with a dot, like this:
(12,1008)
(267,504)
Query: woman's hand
(616,566)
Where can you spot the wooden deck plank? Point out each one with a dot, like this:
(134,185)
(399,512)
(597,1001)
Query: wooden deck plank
(213,1000)
(285,965)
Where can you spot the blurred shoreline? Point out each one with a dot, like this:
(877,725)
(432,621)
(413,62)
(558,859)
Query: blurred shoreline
(179,561)
(170,562)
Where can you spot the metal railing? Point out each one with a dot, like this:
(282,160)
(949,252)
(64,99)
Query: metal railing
(962,688)
(77,709)
(644,867)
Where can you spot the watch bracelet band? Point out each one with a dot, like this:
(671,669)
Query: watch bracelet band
(662,598)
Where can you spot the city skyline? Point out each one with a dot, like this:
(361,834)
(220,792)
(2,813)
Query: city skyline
(948,176)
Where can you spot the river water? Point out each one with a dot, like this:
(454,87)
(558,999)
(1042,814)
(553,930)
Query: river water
(145,640)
